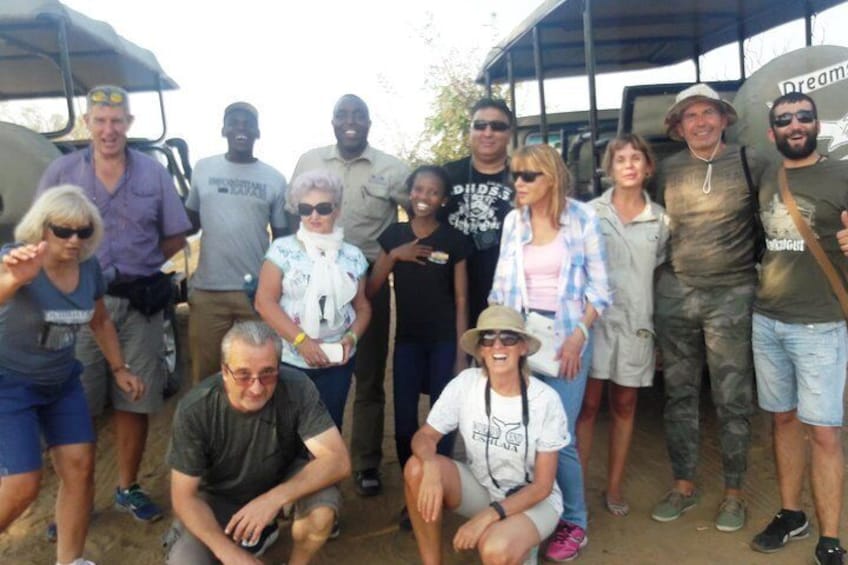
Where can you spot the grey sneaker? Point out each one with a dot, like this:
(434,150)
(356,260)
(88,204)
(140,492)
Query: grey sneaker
(731,514)
(673,505)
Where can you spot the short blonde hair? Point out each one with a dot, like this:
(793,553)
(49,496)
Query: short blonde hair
(64,204)
(544,158)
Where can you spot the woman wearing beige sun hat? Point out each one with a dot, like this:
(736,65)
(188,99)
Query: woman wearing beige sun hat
(512,426)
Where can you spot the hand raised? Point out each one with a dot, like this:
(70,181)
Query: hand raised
(24,263)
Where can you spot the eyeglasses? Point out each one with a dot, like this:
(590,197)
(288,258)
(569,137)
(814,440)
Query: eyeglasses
(496,125)
(64,232)
(323,209)
(803,117)
(526,176)
(508,338)
(244,378)
(108,95)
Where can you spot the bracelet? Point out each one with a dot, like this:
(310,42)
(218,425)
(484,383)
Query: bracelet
(582,327)
(353,336)
(118,368)
(299,338)
(499,509)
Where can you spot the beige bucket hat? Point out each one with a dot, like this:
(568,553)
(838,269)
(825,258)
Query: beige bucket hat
(496,318)
(696,93)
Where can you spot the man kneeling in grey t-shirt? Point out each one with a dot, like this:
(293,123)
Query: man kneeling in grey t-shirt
(238,459)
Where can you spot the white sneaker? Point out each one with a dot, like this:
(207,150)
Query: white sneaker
(78,561)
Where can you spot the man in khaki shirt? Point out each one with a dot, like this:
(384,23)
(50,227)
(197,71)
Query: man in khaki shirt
(374,187)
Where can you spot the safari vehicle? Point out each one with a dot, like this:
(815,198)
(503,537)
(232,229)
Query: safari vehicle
(51,54)
(568,38)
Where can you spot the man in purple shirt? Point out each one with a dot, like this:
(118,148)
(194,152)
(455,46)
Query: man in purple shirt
(145,224)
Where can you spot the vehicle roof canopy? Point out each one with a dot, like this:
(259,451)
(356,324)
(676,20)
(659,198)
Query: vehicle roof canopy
(30,53)
(635,35)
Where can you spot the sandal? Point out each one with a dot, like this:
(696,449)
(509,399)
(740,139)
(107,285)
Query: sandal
(616,508)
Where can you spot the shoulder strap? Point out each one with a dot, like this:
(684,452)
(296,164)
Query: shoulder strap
(813,244)
(743,155)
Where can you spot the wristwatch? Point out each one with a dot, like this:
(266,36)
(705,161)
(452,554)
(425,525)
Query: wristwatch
(499,509)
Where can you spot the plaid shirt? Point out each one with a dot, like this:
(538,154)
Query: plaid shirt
(583,275)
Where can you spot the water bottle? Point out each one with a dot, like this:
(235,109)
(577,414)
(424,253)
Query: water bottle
(250,284)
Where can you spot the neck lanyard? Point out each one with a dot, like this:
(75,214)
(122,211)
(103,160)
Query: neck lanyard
(525,418)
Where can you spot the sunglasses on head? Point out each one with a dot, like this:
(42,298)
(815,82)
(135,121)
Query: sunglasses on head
(107,96)
(803,117)
(526,176)
(64,232)
(323,209)
(508,338)
(245,379)
(496,125)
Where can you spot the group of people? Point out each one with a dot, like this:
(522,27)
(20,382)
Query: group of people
(515,304)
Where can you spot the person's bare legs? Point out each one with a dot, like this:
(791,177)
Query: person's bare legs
(130,437)
(17,492)
(826,472)
(309,534)
(74,465)
(509,541)
(790,457)
(585,428)
(622,400)
(428,535)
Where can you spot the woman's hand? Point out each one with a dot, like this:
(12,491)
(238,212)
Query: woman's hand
(24,263)
(310,350)
(129,383)
(430,493)
(412,252)
(569,354)
(348,343)
(469,533)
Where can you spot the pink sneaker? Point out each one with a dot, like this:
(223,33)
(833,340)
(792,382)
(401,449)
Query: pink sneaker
(567,541)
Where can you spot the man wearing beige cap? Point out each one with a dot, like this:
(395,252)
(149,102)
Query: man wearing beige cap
(704,296)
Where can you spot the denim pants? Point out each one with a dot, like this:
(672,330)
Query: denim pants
(419,368)
(333,384)
(569,472)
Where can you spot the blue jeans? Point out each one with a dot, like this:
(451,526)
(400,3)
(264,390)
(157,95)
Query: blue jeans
(569,472)
(333,384)
(419,368)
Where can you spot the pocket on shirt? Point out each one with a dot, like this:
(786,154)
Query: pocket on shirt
(376,201)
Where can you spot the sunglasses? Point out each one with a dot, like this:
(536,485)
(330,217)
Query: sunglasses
(526,176)
(245,379)
(63,232)
(496,125)
(803,117)
(323,209)
(108,96)
(508,338)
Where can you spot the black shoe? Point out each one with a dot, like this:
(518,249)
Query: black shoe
(269,535)
(783,528)
(404,522)
(368,482)
(829,555)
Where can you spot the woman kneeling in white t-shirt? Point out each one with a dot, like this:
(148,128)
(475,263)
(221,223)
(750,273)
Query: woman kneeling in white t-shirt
(512,426)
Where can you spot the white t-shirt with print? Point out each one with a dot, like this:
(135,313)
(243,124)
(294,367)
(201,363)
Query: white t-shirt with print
(462,405)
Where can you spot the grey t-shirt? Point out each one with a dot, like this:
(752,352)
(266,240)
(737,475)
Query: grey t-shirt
(793,288)
(39,325)
(240,456)
(236,202)
(712,235)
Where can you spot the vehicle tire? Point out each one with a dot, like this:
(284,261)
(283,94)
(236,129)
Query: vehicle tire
(171,354)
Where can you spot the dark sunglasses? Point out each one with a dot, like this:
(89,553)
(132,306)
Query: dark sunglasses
(526,176)
(508,338)
(63,232)
(496,125)
(323,209)
(803,117)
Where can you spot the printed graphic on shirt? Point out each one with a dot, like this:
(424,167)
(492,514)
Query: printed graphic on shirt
(781,233)
(240,187)
(505,435)
(477,205)
(61,327)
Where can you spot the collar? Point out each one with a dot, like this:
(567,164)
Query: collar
(368,154)
(88,155)
(646,215)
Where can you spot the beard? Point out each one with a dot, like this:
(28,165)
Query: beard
(797,153)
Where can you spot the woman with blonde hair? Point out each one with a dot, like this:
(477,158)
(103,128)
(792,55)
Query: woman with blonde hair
(552,267)
(51,285)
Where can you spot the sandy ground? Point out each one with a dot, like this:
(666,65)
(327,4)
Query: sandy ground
(370,533)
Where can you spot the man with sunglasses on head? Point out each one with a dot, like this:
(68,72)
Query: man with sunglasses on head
(238,461)
(481,195)
(703,297)
(799,336)
(374,187)
(233,198)
(144,225)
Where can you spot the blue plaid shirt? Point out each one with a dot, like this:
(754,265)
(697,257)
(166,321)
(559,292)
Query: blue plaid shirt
(583,275)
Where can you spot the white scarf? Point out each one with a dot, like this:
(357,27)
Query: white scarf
(327,279)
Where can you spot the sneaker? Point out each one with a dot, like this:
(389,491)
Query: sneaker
(269,535)
(731,514)
(781,529)
(404,522)
(673,505)
(829,555)
(368,482)
(80,561)
(136,502)
(337,529)
(568,540)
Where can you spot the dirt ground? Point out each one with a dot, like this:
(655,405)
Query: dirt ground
(369,530)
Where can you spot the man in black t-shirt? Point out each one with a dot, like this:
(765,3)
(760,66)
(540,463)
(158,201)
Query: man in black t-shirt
(238,458)
(481,195)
